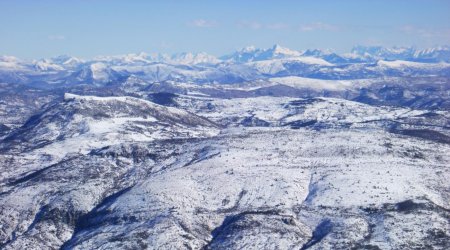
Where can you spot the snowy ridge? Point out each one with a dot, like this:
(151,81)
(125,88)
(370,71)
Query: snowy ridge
(262,149)
(406,64)
(87,122)
(248,64)
(280,170)
(301,82)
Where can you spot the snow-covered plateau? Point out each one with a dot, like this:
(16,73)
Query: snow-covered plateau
(260,149)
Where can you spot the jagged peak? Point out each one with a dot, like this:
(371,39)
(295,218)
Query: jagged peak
(279,50)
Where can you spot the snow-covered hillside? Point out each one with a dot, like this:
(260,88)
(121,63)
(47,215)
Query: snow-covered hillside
(264,172)
(81,123)
(260,149)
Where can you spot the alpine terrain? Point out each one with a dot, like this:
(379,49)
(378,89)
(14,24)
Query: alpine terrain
(258,149)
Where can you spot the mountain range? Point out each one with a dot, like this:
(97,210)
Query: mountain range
(357,55)
(248,64)
(259,149)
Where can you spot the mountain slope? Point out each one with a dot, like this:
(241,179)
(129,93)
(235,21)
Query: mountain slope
(263,149)
(83,122)
(66,161)
(120,172)
(304,182)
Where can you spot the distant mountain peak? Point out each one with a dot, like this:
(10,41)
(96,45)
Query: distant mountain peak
(279,50)
(250,48)
(193,58)
(251,53)
(158,66)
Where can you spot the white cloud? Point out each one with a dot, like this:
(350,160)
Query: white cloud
(202,23)
(318,26)
(56,37)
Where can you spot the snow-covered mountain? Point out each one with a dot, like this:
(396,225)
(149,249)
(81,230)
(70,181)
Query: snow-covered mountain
(120,172)
(96,121)
(335,58)
(261,149)
(438,54)
(193,59)
(144,59)
(248,64)
(249,54)
(382,53)
(10,63)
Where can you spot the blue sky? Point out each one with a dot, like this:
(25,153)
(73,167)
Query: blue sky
(86,28)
